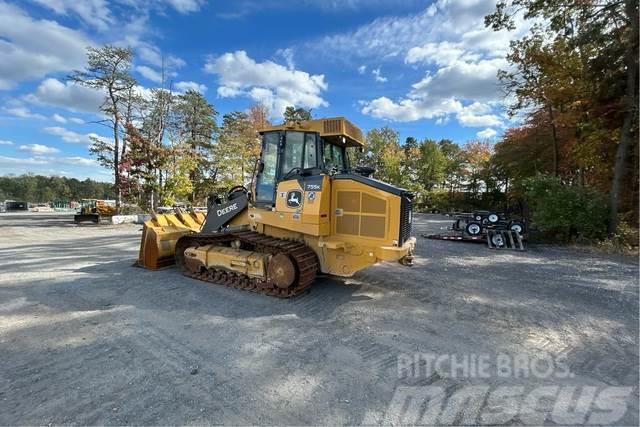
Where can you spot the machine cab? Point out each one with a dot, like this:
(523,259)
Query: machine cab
(306,190)
(300,151)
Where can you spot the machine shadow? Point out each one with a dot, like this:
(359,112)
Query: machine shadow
(120,283)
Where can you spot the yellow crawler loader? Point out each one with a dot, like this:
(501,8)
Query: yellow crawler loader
(308,212)
(94,210)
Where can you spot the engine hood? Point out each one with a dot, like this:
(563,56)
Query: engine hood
(376,184)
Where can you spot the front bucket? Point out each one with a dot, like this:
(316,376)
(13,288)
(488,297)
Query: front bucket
(159,237)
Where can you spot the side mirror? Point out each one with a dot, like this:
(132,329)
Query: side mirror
(365,171)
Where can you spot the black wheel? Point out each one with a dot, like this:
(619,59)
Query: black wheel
(473,229)
(497,240)
(477,217)
(518,227)
(493,217)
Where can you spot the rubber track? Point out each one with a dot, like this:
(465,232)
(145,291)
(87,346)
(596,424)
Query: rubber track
(305,259)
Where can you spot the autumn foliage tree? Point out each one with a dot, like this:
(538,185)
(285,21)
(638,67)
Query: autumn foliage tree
(194,128)
(576,75)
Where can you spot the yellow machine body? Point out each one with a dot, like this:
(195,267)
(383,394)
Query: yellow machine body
(251,263)
(350,221)
(349,225)
(162,231)
(94,210)
(99,207)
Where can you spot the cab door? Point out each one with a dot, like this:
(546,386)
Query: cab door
(267,179)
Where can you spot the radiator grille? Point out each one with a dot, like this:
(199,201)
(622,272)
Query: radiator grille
(406,218)
(363,214)
(332,126)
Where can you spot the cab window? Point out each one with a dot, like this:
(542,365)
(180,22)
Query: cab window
(266,182)
(293,151)
(300,151)
(310,151)
(333,157)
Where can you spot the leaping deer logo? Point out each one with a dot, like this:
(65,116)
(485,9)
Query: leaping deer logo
(294,199)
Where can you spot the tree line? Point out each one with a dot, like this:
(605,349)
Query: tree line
(47,189)
(443,175)
(574,79)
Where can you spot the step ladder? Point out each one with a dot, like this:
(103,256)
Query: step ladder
(504,239)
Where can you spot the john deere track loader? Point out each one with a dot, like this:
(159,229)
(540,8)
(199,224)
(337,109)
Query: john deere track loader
(309,211)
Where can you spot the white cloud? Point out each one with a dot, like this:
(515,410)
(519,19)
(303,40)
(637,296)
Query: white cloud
(67,95)
(488,133)
(15,161)
(97,14)
(58,118)
(67,135)
(476,115)
(242,8)
(382,38)
(23,113)
(94,12)
(378,76)
(416,108)
(443,53)
(287,55)
(74,137)
(151,54)
(229,92)
(5,142)
(76,120)
(362,69)
(149,73)
(50,166)
(460,57)
(464,80)
(136,34)
(444,20)
(272,84)
(457,82)
(410,109)
(79,161)
(186,6)
(38,149)
(185,86)
(30,48)
(144,92)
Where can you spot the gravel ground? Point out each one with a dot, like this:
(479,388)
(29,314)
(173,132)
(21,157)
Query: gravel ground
(86,338)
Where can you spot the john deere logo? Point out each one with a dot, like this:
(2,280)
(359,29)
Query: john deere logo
(294,198)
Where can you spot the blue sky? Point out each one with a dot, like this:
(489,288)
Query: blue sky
(425,68)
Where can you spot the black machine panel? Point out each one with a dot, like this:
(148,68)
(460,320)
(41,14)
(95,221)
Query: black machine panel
(221,213)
